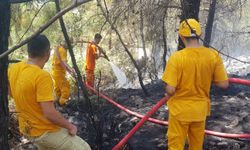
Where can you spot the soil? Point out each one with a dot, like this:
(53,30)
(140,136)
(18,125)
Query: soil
(230,114)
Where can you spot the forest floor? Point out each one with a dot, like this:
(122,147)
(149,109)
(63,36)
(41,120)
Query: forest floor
(230,114)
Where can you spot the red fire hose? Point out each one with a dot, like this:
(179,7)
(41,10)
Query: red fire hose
(140,123)
(156,107)
(209,132)
(165,123)
(239,81)
(125,109)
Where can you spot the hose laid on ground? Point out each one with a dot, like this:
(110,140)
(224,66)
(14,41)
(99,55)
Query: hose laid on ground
(165,123)
(140,123)
(124,108)
(147,117)
(239,81)
(208,132)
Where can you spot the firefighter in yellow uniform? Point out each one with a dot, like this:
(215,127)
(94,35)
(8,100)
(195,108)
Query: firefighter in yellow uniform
(59,67)
(32,90)
(188,76)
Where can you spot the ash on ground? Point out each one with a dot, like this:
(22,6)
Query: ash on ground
(230,114)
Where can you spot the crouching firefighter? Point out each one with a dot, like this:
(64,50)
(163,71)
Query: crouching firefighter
(32,90)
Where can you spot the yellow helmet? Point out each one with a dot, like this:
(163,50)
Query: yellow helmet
(185,30)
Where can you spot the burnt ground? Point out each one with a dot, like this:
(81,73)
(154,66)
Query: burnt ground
(230,114)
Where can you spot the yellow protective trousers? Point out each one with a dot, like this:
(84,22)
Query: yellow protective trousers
(179,131)
(90,77)
(61,87)
(60,140)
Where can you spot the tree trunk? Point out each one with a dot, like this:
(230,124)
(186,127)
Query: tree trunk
(210,21)
(190,9)
(71,52)
(164,38)
(110,40)
(87,103)
(142,31)
(4,110)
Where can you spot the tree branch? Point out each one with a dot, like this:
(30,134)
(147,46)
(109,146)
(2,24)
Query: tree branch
(106,15)
(19,1)
(74,4)
(32,21)
(71,52)
(87,102)
(164,38)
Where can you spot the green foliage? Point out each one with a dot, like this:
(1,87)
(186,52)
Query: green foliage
(86,20)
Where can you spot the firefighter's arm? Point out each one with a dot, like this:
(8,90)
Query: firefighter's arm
(56,117)
(220,77)
(97,55)
(66,66)
(222,84)
(170,90)
(102,53)
(62,56)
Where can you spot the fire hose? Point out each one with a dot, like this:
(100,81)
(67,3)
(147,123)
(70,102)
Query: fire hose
(155,108)
(165,123)
(140,123)
(239,81)
(147,117)
(161,122)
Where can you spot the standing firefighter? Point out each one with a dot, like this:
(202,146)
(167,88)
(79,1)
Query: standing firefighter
(188,77)
(32,90)
(59,67)
(91,55)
